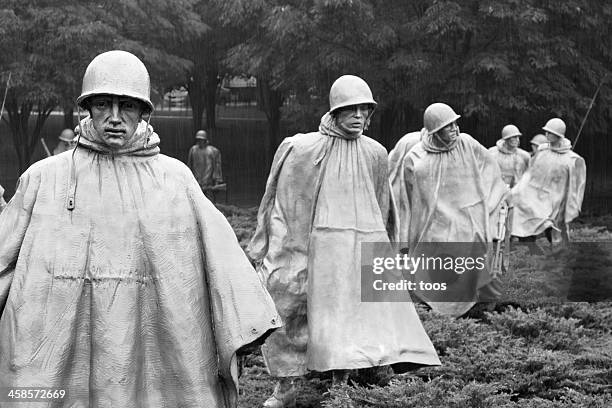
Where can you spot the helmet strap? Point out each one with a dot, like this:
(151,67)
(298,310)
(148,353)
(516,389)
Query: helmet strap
(148,133)
(439,139)
(72,173)
(367,122)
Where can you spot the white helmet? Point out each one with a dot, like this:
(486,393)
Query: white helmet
(67,135)
(349,90)
(510,131)
(201,134)
(437,116)
(539,139)
(555,126)
(116,73)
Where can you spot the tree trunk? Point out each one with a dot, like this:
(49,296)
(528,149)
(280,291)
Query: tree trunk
(211,95)
(202,84)
(69,117)
(18,117)
(24,141)
(270,101)
(195,89)
(386,127)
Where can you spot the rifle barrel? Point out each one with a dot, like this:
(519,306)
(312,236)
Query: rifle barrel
(589,110)
(8,81)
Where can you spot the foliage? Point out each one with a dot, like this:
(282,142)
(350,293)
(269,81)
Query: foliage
(48,44)
(494,60)
(242,220)
(535,354)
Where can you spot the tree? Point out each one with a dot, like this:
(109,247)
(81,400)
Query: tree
(48,72)
(206,51)
(182,46)
(34,76)
(494,60)
(258,53)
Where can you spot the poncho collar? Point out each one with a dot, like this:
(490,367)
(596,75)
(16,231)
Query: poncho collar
(503,148)
(328,127)
(564,147)
(433,144)
(144,143)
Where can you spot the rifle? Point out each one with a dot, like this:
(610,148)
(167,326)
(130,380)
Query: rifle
(42,140)
(8,81)
(501,258)
(589,110)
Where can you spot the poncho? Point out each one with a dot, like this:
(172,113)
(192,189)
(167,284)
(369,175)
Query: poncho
(326,194)
(138,297)
(453,194)
(512,163)
(205,163)
(396,176)
(551,191)
(2,202)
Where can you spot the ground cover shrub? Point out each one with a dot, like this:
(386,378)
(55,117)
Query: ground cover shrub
(597,315)
(541,328)
(411,392)
(242,220)
(535,350)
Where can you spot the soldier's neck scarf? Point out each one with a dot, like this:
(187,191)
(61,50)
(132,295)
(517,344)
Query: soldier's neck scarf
(564,146)
(433,143)
(502,146)
(145,141)
(328,127)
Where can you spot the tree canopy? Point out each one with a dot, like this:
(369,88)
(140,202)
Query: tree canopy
(46,46)
(493,60)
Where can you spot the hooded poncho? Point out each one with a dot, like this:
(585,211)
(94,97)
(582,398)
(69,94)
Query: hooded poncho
(2,202)
(138,297)
(550,193)
(326,194)
(452,194)
(397,156)
(512,163)
(205,163)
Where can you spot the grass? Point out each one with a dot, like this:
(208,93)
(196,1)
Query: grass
(534,349)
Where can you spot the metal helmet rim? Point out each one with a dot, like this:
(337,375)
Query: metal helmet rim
(510,131)
(437,116)
(538,139)
(118,73)
(349,90)
(556,126)
(67,135)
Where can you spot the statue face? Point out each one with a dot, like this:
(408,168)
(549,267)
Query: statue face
(201,138)
(449,132)
(513,142)
(115,118)
(352,119)
(552,138)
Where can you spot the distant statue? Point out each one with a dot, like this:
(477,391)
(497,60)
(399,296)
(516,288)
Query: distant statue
(204,160)
(550,194)
(448,189)
(67,142)
(536,142)
(512,160)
